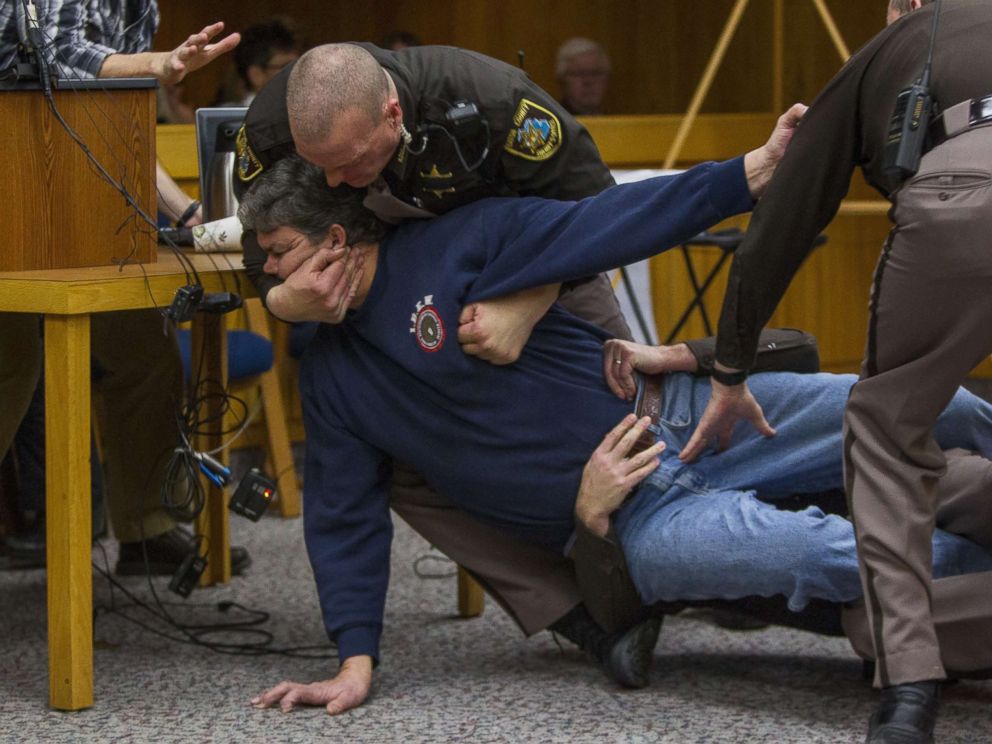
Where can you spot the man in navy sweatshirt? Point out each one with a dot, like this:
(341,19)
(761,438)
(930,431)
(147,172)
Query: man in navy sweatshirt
(508,444)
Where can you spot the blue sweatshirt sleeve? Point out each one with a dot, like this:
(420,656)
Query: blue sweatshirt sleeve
(535,242)
(347,527)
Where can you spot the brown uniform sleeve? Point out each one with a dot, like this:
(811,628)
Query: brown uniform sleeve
(803,196)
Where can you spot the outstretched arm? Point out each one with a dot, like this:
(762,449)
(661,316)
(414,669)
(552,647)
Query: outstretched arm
(544,242)
(171,67)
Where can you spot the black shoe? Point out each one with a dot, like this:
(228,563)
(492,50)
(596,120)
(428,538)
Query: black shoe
(165,553)
(906,714)
(626,656)
(733,620)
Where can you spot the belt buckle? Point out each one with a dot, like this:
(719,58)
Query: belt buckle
(980,110)
(653,427)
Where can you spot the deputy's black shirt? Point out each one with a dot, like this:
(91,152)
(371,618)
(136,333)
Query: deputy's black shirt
(525,143)
(846,127)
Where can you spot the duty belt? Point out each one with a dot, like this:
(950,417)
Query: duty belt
(975,112)
(648,403)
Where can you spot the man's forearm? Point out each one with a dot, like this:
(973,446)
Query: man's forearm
(143,64)
(172,200)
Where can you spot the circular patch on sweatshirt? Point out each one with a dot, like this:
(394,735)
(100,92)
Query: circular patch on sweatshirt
(428,326)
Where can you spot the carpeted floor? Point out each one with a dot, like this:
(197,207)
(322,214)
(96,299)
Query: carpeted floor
(442,679)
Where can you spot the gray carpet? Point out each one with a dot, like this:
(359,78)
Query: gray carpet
(442,679)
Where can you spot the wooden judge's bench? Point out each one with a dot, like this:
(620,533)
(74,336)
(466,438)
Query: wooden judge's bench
(75,246)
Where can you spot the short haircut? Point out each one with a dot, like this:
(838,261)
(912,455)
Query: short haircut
(260,43)
(903,6)
(328,80)
(573,48)
(293,192)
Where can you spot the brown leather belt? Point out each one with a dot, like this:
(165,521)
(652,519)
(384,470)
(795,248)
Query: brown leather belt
(648,403)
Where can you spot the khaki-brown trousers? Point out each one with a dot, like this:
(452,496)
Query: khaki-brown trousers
(931,324)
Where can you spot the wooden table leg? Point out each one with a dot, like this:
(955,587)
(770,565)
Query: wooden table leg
(471,599)
(69,519)
(280,449)
(209,365)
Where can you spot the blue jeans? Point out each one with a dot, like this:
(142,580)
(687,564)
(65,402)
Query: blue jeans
(699,531)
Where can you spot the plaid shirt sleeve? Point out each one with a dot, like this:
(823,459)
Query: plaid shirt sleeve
(75,27)
(9,37)
(86,32)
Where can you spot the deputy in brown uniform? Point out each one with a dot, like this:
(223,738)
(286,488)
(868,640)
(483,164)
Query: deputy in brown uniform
(460,126)
(468,127)
(930,325)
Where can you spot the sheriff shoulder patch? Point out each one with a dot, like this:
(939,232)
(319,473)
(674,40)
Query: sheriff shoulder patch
(536,133)
(248,165)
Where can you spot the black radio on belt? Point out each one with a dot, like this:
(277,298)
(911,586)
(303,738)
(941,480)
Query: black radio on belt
(910,119)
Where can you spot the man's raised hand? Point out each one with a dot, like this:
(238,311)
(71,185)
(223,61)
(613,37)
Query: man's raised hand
(194,53)
(760,164)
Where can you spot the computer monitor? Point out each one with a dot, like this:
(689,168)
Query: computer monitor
(216,134)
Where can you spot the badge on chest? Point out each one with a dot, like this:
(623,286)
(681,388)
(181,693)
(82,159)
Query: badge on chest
(427,326)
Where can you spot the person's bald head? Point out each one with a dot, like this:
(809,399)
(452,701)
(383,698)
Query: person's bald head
(343,113)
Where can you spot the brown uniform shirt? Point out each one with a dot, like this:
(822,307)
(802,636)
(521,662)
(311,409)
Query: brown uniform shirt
(525,143)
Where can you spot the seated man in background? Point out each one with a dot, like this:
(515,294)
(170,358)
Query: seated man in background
(508,444)
(582,68)
(264,50)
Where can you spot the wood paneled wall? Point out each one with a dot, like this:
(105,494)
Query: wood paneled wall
(659,48)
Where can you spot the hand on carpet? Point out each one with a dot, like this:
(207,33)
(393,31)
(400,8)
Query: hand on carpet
(347,690)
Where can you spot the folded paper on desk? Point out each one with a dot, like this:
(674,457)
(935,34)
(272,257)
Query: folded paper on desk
(218,236)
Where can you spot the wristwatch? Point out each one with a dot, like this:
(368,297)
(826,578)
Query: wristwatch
(729,378)
(188,213)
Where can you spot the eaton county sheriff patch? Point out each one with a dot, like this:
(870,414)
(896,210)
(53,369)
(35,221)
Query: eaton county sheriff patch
(536,134)
(248,165)
(427,325)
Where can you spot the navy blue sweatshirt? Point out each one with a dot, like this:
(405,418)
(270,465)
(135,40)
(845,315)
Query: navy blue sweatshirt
(505,443)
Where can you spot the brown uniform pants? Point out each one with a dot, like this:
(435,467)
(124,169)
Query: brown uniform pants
(140,389)
(931,324)
(962,617)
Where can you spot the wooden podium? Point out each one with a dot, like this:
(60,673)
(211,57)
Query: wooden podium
(56,210)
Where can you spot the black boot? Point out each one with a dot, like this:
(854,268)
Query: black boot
(906,714)
(626,656)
